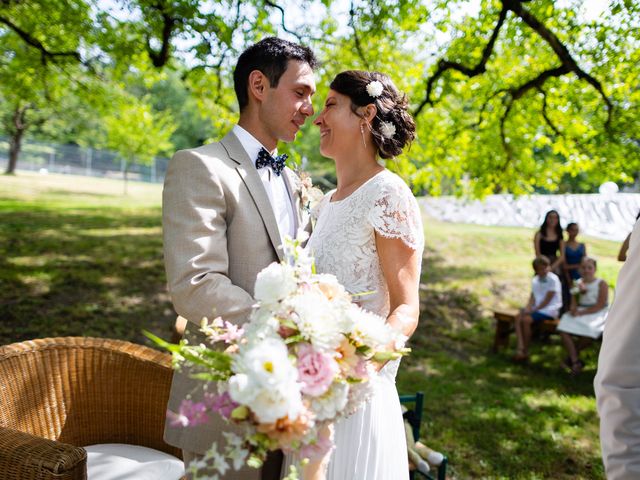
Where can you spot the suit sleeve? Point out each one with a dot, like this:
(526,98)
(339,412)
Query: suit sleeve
(617,383)
(194,219)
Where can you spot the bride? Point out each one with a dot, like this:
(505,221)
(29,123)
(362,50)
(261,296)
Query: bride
(369,234)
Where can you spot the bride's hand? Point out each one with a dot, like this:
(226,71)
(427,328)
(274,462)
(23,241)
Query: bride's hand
(316,469)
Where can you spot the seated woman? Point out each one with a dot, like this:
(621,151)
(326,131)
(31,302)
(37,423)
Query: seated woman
(587,314)
(574,252)
(548,240)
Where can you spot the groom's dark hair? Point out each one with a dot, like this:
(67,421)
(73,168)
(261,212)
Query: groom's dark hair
(271,56)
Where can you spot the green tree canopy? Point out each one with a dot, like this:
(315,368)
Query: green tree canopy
(514,95)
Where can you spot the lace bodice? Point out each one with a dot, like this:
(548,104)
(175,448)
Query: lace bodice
(343,239)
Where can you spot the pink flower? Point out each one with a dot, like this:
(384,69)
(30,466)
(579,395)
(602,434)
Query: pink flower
(360,369)
(220,330)
(316,370)
(189,414)
(232,333)
(221,404)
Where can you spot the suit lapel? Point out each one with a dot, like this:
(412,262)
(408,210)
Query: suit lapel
(254,185)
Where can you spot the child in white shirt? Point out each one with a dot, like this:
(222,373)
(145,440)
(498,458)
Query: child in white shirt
(544,303)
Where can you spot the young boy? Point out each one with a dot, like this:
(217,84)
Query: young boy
(544,304)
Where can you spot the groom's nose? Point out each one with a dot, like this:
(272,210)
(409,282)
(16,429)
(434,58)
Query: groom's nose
(307,107)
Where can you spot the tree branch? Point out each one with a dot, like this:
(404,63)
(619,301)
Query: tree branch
(37,44)
(568,63)
(538,81)
(444,65)
(561,51)
(20,117)
(161,57)
(284,27)
(503,135)
(356,37)
(545,115)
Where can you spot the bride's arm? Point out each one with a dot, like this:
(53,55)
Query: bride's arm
(401,269)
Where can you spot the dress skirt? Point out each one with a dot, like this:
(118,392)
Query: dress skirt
(590,325)
(371,443)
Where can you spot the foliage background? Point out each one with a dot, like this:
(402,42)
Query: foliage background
(509,95)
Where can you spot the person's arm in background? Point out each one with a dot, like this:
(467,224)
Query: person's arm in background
(560,260)
(622,254)
(546,300)
(536,243)
(529,307)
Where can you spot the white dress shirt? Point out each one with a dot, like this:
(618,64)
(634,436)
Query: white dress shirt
(274,185)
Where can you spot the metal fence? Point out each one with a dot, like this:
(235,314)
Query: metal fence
(76,160)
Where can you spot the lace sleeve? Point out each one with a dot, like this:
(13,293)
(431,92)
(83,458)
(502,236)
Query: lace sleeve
(395,214)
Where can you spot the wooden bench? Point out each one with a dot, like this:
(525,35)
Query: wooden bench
(505,324)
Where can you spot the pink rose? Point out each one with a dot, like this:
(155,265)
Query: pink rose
(316,370)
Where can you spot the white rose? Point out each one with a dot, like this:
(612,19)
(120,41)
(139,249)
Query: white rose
(241,389)
(266,363)
(331,403)
(274,283)
(319,320)
(370,329)
(270,404)
(262,325)
(332,289)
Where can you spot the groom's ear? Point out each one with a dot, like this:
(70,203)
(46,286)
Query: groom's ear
(258,84)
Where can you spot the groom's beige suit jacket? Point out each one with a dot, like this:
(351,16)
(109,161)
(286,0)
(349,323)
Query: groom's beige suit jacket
(219,232)
(617,382)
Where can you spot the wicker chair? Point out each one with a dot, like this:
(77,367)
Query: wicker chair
(60,394)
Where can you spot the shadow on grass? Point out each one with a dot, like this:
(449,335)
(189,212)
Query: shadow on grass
(60,275)
(508,423)
(495,419)
(437,270)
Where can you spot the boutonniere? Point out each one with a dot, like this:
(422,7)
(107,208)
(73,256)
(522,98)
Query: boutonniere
(310,195)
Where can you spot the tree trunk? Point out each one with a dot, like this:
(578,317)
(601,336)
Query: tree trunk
(15,144)
(126,179)
(18,129)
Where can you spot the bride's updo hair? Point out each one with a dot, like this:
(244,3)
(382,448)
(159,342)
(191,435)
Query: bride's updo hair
(377,88)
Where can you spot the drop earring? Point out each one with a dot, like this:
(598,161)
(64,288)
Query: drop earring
(362,133)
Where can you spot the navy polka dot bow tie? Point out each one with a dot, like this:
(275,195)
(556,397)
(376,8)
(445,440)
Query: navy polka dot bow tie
(266,160)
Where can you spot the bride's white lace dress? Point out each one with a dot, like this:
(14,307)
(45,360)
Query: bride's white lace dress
(370,444)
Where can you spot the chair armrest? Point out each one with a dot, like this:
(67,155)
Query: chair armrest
(26,457)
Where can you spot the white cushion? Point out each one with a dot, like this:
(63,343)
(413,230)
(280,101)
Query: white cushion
(117,461)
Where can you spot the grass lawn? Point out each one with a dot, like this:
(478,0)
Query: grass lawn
(495,419)
(79,258)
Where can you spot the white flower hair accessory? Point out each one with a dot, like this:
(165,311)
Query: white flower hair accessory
(387,129)
(375,88)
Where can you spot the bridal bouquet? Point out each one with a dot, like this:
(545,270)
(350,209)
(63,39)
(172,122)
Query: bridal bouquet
(305,358)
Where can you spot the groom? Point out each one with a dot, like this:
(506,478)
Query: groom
(226,208)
